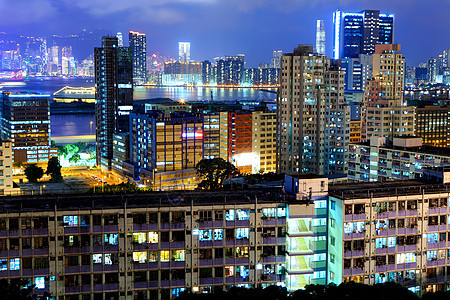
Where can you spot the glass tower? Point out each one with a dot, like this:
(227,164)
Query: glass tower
(358,33)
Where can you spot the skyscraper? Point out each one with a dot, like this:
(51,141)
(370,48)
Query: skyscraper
(358,33)
(138,42)
(320,37)
(184,51)
(119,39)
(113,95)
(276,59)
(431,70)
(311,115)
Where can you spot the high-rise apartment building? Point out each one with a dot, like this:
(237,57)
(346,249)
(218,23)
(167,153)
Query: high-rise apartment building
(184,51)
(230,70)
(320,37)
(383,111)
(113,95)
(358,33)
(311,97)
(431,70)
(276,59)
(26,123)
(138,43)
(119,39)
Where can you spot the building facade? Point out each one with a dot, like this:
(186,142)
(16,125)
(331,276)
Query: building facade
(404,158)
(155,248)
(26,123)
(138,44)
(113,96)
(312,89)
(163,142)
(383,112)
(433,125)
(184,51)
(391,232)
(358,33)
(320,37)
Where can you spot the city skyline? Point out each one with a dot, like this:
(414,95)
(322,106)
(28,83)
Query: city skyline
(223,29)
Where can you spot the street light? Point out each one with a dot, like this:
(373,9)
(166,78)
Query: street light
(41,188)
(154,181)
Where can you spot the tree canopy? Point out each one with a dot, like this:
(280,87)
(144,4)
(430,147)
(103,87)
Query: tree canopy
(54,169)
(214,171)
(33,173)
(344,291)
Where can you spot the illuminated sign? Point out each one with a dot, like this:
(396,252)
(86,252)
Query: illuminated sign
(192,135)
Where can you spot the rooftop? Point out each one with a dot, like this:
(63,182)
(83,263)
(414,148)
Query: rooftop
(385,189)
(140,200)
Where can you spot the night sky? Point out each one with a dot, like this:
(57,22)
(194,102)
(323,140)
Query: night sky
(228,27)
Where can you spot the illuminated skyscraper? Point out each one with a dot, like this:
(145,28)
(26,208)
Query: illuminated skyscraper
(184,51)
(113,95)
(320,37)
(276,59)
(119,39)
(431,70)
(138,42)
(358,33)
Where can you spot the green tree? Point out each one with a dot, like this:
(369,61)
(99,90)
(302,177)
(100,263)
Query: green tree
(18,164)
(62,151)
(75,158)
(33,173)
(54,169)
(214,171)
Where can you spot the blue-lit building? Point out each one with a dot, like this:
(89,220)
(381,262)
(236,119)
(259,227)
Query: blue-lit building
(25,120)
(358,33)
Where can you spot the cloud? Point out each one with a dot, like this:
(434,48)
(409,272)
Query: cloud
(105,7)
(25,11)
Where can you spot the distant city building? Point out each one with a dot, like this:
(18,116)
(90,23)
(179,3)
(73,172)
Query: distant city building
(431,70)
(261,76)
(358,33)
(26,123)
(119,39)
(276,59)
(113,95)
(230,70)
(320,37)
(357,72)
(427,94)
(182,73)
(184,51)
(310,99)
(138,43)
